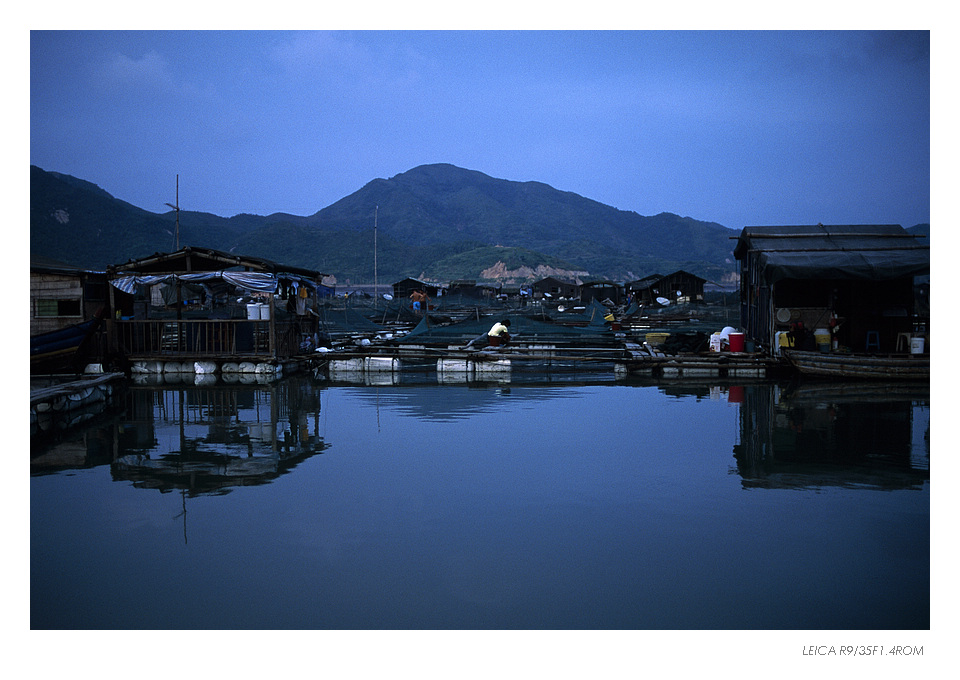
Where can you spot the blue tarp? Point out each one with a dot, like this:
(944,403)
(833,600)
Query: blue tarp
(251,281)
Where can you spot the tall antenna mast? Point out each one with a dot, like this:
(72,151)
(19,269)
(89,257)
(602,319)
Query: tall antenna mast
(376,281)
(176,234)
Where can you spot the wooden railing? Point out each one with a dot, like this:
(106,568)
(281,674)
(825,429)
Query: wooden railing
(207,338)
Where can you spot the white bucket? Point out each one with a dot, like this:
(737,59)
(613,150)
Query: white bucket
(253,312)
(265,312)
(822,336)
(916,345)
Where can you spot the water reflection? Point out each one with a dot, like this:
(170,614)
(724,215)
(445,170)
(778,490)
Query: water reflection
(207,436)
(201,437)
(448,403)
(810,435)
(635,505)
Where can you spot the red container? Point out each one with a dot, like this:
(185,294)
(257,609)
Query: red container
(736,342)
(494,340)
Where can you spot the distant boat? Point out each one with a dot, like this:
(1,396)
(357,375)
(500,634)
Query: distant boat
(872,366)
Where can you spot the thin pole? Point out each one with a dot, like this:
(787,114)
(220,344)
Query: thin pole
(176,233)
(376,281)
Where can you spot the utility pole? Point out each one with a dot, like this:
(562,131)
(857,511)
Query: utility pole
(176,235)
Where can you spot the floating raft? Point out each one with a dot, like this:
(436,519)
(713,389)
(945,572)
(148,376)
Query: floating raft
(456,364)
(68,403)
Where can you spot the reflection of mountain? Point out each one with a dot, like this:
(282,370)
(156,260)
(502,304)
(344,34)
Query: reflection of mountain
(445,402)
(833,434)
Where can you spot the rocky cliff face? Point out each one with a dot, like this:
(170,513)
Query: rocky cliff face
(500,272)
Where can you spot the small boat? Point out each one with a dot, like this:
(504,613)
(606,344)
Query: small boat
(61,345)
(874,366)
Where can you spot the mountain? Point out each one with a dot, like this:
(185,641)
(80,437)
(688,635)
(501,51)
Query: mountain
(434,221)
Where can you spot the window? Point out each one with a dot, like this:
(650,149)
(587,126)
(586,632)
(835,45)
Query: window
(58,308)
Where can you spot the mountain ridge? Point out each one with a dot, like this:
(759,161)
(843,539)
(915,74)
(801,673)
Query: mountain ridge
(437,221)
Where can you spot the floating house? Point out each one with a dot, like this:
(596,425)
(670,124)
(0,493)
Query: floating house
(66,304)
(554,288)
(646,290)
(62,295)
(680,286)
(471,290)
(204,305)
(600,291)
(852,283)
(403,289)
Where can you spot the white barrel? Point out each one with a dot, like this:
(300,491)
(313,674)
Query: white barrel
(204,367)
(917,345)
(147,367)
(377,364)
(253,312)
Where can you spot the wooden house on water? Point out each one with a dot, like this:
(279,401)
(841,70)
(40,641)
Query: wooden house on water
(600,291)
(855,282)
(199,304)
(680,286)
(555,288)
(66,304)
(403,289)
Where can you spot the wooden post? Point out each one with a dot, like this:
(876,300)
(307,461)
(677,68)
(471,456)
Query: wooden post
(111,323)
(273,326)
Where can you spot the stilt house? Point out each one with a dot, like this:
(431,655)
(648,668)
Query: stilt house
(855,280)
(203,304)
(555,288)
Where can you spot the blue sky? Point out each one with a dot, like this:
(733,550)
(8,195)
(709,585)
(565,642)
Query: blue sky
(740,128)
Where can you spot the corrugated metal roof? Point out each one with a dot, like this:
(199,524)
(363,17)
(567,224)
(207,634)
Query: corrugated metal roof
(206,259)
(873,252)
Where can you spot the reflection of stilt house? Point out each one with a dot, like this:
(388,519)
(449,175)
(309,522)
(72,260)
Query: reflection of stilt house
(202,304)
(857,279)
(815,435)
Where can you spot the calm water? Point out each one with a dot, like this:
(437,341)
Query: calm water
(300,504)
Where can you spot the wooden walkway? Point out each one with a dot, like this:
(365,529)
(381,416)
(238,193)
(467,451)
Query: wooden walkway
(74,394)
